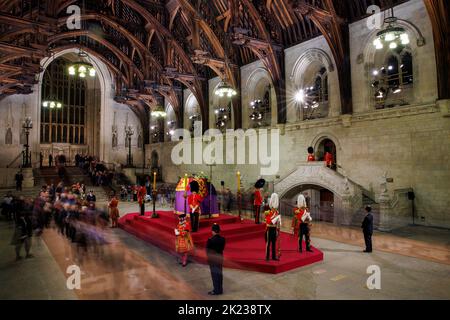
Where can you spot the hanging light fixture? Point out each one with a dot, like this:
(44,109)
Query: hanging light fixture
(159,112)
(51,104)
(224,89)
(392,36)
(80,68)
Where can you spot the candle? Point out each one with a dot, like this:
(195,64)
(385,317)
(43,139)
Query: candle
(185,182)
(154,181)
(239,181)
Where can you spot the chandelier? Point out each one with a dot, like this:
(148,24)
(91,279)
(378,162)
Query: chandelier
(81,68)
(392,36)
(158,112)
(224,89)
(52,104)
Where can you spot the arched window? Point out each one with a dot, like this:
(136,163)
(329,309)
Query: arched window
(193,113)
(407,69)
(156,130)
(223,117)
(71,92)
(171,122)
(393,79)
(260,111)
(313,96)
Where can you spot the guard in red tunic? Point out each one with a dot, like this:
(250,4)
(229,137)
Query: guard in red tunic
(184,244)
(141,193)
(273,226)
(257,202)
(194,202)
(329,159)
(311,156)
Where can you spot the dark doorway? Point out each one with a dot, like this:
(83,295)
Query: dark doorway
(327,145)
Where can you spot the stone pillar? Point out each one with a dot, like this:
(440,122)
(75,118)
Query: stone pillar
(385,211)
(346,210)
(28,178)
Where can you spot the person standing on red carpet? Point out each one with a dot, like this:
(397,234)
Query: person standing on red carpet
(194,202)
(184,243)
(298,212)
(303,217)
(273,226)
(141,194)
(301,223)
(257,201)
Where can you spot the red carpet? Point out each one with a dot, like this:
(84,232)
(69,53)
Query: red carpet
(245,248)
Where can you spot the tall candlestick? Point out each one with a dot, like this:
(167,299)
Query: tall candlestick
(239,181)
(154,181)
(185,183)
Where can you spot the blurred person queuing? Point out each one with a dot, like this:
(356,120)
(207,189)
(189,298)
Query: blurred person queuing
(114,211)
(23,230)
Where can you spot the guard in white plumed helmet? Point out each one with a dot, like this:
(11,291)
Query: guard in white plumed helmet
(298,212)
(303,216)
(273,226)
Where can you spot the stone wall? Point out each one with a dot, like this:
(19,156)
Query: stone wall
(14,109)
(411,145)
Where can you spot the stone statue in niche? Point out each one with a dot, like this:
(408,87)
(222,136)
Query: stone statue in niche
(114,139)
(114,132)
(140,141)
(8,136)
(9,123)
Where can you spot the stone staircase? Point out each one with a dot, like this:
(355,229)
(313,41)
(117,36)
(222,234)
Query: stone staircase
(26,192)
(348,209)
(360,214)
(73,175)
(353,197)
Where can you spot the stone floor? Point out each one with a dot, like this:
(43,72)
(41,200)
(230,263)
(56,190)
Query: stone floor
(129,268)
